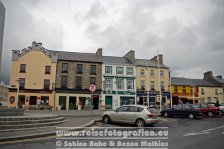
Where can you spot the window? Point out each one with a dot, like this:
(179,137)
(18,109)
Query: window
(79,68)
(184,90)
(209,99)
(135,109)
(175,89)
(202,91)
(93,69)
(47,69)
(152,73)
(122,109)
(63,81)
(79,82)
(129,71)
(64,67)
(120,83)
(22,68)
(142,73)
(108,83)
(152,85)
(45,100)
(92,80)
(142,84)
(21,83)
(130,84)
(46,84)
(162,85)
(216,92)
(161,73)
(120,70)
(108,69)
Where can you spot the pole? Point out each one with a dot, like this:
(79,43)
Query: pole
(160,94)
(171,98)
(147,82)
(92,105)
(17,94)
(193,96)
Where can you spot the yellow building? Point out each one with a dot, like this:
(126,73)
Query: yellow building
(34,70)
(204,91)
(150,79)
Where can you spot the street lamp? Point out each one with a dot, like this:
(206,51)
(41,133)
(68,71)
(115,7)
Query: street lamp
(17,94)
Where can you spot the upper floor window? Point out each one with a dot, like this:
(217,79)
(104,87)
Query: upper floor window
(152,85)
(64,67)
(22,68)
(120,71)
(46,84)
(108,83)
(162,85)
(47,69)
(120,83)
(64,81)
(161,73)
(152,73)
(130,84)
(108,69)
(142,73)
(92,80)
(184,90)
(129,71)
(79,68)
(78,82)
(142,84)
(175,89)
(216,92)
(93,69)
(21,83)
(202,91)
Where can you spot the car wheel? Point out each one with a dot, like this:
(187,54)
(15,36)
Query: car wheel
(140,123)
(166,114)
(191,116)
(106,119)
(210,114)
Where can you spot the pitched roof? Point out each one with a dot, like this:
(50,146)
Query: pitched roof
(116,60)
(219,80)
(76,56)
(191,82)
(144,62)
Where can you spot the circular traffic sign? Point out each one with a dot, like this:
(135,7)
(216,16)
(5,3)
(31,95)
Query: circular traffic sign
(92,87)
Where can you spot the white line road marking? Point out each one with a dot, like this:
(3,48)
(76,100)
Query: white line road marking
(194,134)
(213,129)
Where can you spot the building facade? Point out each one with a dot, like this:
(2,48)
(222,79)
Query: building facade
(2,22)
(195,91)
(75,73)
(33,73)
(119,81)
(3,94)
(150,79)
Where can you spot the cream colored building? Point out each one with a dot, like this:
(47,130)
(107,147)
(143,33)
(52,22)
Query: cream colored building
(3,94)
(210,94)
(33,69)
(150,79)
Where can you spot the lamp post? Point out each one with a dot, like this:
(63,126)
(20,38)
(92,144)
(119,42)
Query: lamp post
(160,93)
(193,94)
(17,94)
(171,98)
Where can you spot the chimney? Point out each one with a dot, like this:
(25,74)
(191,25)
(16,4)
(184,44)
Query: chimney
(36,46)
(15,54)
(219,76)
(130,56)
(208,75)
(99,52)
(160,59)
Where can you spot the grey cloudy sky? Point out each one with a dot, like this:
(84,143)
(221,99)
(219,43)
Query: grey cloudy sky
(189,33)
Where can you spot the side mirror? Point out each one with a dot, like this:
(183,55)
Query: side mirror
(114,110)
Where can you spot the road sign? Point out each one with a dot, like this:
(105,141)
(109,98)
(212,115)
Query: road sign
(92,87)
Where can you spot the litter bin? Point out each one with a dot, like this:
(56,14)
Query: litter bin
(59,107)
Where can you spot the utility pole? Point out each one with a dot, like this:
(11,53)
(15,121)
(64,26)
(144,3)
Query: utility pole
(160,94)
(171,98)
(147,82)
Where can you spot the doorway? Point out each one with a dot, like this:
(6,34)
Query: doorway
(72,103)
(82,100)
(33,100)
(108,101)
(62,102)
(95,102)
(21,101)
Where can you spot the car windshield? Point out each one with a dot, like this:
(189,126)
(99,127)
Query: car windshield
(195,106)
(151,110)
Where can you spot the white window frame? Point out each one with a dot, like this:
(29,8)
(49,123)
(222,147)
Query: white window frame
(152,73)
(118,72)
(161,73)
(152,84)
(108,83)
(107,70)
(143,84)
(162,85)
(130,83)
(129,71)
(120,84)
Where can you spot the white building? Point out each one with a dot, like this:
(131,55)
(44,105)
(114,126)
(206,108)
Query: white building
(119,81)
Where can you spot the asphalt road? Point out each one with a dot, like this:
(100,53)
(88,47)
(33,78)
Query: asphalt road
(205,133)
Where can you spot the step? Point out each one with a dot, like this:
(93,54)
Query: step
(29,117)
(31,121)
(20,126)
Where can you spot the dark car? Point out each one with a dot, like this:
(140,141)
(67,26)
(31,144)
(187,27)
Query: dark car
(182,110)
(208,109)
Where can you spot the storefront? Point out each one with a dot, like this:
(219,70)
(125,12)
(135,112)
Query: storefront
(153,98)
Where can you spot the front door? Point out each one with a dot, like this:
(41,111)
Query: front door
(21,101)
(95,102)
(33,100)
(72,103)
(62,102)
(108,101)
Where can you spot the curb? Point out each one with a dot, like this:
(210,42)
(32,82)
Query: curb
(39,135)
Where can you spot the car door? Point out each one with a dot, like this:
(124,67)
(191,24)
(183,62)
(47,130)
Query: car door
(177,110)
(186,109)
(119,115)
(132,114)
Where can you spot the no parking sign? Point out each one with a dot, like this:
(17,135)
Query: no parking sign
(92,87)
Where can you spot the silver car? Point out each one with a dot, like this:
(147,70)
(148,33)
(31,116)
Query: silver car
(132,114)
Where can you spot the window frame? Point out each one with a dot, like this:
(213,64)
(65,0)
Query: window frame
(142,85)
(64,83)
(47,69)
(22,84)
(142,72)
(91,81)
(79,68)
(106,69)
(78,84)
(120,71)
(120,84)
(132,84)
(152,85)
(128,72)
(46,86)
(22,68)
(93,69)
(64,69)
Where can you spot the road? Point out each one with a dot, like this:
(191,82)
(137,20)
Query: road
(205,133)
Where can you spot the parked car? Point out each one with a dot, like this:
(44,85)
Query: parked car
(221,107)
(139,115)
(182,110)
(208,109)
